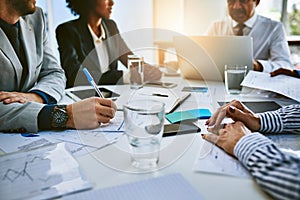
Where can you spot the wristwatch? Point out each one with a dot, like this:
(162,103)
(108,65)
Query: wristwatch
(59,117)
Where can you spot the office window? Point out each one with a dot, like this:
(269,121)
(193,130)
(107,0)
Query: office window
(293,17)
(271,9)
(286,11)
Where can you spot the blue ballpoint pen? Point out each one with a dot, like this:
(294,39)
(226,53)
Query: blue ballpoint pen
(92,82)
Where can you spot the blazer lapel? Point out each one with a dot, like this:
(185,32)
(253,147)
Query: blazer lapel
(29,44)
(6,47)
(86,38)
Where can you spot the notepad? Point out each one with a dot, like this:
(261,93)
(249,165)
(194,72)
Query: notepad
(168,187)
(201,113)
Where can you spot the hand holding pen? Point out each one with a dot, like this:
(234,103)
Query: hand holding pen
(92,82)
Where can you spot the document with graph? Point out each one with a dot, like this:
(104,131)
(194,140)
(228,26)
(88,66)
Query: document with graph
(42,173)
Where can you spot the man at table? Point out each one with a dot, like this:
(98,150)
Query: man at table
(270,47)
(277,172)
(32,82)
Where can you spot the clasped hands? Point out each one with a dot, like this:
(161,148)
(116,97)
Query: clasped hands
(226,136)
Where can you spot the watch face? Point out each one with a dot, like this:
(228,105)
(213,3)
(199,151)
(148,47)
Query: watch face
(60,118)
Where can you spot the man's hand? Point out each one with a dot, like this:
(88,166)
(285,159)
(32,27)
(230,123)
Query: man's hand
(228,137)
(257,66)
(90,113)
(151,73)
(20,97)
(283,71)
(237,112)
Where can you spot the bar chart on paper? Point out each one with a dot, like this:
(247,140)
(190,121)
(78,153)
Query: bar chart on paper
(39,174)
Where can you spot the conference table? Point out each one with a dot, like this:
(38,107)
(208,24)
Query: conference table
(110,166)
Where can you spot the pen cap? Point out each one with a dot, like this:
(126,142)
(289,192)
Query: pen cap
(87,74)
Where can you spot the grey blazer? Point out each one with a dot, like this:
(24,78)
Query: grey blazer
(44,74)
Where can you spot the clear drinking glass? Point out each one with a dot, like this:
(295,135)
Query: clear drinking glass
(234,75)
(136,69)
(144,124)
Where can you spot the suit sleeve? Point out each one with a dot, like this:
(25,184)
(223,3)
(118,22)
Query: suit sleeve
(51,79)
(16,117)
(278,50)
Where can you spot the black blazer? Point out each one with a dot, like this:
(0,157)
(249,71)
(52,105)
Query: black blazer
(75,45)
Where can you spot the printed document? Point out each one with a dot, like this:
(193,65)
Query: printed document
(282,84)
(42,173)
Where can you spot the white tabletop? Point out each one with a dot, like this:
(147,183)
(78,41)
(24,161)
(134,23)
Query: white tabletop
(110,166)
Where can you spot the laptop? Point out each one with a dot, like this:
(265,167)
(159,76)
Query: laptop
(204,57)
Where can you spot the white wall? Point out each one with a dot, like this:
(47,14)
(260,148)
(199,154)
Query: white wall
(198,14)
(131,16)
(190,17)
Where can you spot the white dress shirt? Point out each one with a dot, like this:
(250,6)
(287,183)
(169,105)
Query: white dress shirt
(101,49)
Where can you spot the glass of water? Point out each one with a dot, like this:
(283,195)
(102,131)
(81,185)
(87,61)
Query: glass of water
(234,75)
(144,124)
(135,65)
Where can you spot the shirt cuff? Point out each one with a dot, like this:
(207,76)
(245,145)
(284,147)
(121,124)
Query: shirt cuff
(47,98)
(44,117)
(270,122)
(248,145)
(298,72)
(267,68)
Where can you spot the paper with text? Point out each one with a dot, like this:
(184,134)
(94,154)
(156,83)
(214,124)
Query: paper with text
(285,85)
(79,142)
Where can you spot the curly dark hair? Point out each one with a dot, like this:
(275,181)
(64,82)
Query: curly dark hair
(81,7)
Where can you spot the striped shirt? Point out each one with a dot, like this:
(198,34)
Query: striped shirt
(276,172)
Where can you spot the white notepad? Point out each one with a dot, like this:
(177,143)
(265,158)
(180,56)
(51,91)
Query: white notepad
(171,98)
(169,187)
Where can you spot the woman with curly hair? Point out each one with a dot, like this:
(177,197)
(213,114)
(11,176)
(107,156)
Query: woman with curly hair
(78,38)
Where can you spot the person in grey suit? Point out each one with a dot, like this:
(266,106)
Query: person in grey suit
(93,41)
(270,47)
(32,82)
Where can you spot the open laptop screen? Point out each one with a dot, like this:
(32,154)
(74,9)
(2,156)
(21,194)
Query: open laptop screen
(204,57)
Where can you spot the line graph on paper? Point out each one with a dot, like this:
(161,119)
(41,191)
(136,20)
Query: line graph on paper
(29,172)
(38,173)
(12,175)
